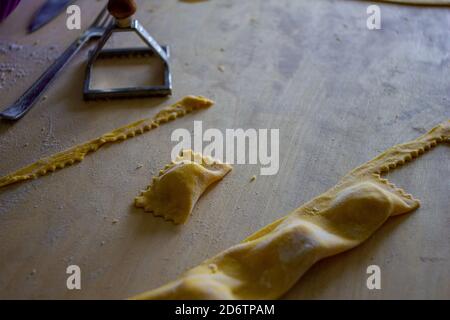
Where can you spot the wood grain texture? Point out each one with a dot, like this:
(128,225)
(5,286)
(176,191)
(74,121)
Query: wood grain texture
(339,93)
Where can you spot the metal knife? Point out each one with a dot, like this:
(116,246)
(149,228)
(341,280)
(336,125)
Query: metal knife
(47,12)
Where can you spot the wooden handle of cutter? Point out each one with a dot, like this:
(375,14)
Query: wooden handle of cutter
(122,9)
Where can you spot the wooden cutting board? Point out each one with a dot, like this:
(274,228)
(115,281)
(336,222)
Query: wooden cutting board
(338,92)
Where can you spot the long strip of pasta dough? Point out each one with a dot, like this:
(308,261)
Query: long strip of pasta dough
(268,263)
(77,153)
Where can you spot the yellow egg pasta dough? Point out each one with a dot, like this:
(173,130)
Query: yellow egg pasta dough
(77,153)
(269,262)
(174,193)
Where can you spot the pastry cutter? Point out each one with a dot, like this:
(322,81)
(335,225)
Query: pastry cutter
(123,11)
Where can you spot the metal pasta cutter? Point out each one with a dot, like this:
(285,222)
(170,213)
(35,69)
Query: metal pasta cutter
(123,11)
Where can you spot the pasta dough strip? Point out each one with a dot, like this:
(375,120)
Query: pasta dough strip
(269,262)
(77,153)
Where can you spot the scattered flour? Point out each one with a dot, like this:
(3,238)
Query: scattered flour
(18,61)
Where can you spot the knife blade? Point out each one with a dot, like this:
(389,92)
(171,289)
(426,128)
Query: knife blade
(47,12)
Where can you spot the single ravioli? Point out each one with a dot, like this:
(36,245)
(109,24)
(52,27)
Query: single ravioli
(174,193)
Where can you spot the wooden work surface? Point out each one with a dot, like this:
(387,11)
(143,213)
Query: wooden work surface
(339,93)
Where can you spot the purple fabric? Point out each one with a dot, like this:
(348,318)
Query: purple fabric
(6,7)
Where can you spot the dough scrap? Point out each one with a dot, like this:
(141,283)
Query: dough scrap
(174,193)
(77,153)
(269,262)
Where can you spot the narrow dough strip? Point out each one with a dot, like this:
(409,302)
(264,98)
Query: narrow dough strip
(402,153)
(77,153)
(269,262)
